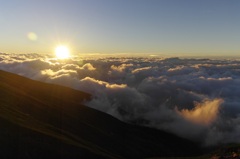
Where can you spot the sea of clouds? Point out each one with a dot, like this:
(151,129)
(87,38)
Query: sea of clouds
(194,98)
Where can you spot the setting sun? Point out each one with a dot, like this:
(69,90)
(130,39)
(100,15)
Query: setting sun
(62,52)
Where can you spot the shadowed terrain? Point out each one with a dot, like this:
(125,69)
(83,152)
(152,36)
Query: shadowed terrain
(40,120)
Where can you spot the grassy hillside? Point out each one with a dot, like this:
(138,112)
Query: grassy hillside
(40,120)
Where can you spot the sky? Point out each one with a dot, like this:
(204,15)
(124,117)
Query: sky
(159,27)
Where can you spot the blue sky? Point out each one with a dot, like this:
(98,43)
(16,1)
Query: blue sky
(169,27)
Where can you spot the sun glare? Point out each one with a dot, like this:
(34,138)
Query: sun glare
(62,52)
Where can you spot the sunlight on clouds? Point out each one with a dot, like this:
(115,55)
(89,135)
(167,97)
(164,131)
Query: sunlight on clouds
(116,86)
(153,55)
(103,83)
(141,69)
(121,68)
(203,113)
(55,74)
(48,72)
(146,90)
(88,66)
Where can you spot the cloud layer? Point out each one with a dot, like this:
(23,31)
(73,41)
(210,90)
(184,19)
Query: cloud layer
(193,98)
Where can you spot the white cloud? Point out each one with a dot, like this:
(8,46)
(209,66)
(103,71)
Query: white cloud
(147,91)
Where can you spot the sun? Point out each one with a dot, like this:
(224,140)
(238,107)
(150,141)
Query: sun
(62,52)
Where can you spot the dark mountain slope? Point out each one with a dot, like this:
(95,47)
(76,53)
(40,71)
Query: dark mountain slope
(40,120)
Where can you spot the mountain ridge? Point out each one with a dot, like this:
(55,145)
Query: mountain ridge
(50,118)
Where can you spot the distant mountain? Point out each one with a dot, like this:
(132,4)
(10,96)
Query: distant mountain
(39,120)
